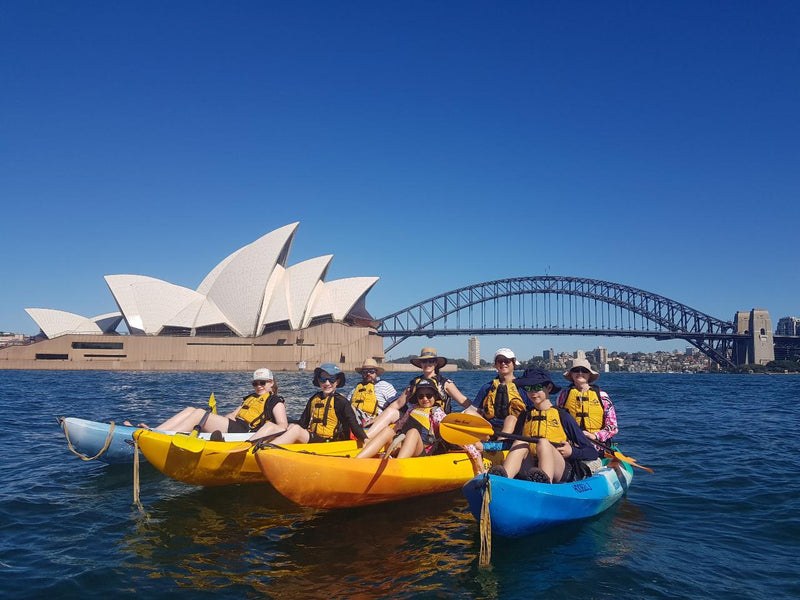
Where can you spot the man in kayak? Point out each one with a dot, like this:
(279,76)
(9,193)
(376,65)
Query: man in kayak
(500,401)
(591,406)
(556,455)
(372,395)
(328,415)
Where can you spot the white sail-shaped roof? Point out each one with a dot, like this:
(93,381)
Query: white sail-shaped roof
(336,298)
(201,312)
(293,292)
(148,303)
(108,322)
(251,288)
(54,323)
(237,285)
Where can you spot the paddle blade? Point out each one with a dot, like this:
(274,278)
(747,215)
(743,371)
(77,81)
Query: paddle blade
(212,403)
(188,443)
(462,429)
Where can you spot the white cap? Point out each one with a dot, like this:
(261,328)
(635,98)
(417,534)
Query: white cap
(263,374)
(508,353)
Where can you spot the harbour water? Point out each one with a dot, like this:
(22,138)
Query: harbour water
(719,518)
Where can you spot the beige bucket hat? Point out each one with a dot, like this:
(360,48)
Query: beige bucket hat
(581,362)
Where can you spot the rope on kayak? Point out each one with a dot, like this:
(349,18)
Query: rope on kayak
(136,475)
(80,455)
(486,526)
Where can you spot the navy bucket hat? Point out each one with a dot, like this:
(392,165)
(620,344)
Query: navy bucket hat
(536,375)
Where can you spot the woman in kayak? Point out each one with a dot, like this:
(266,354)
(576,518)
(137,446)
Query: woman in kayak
(591,406)
(430,363)
(263,408)
(417,432)
(328,415)
(561,446)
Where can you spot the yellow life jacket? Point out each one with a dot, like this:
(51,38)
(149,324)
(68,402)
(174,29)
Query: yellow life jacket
(422,416)
(324,422)
(544,423)
(254,410)
(498,399)
(365,400)
(586,408)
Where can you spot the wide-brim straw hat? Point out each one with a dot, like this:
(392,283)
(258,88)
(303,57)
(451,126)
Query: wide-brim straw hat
(581,362)
(427,353)
(371,363)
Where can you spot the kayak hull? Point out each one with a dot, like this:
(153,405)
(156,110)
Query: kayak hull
(89,437)
(205,463)
(518,508)
(341,482)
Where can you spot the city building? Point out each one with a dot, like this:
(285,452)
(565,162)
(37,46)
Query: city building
(788,326)
(251,310)
(474,351)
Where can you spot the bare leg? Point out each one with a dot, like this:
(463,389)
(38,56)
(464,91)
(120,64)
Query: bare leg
(389,415)
(550,460)
(266,429)
(376,442)
(294,435)
(171,423)
(412,445)
(518,453)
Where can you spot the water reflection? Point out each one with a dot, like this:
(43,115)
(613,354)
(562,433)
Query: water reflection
(250,536)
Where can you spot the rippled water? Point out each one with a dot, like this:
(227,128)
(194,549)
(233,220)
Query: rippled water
(720,517)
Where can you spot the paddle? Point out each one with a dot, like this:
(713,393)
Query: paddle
(465,428)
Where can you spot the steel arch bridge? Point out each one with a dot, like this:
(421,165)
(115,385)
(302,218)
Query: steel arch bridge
(557,305)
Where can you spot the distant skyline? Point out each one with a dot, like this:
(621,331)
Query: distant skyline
(435,145)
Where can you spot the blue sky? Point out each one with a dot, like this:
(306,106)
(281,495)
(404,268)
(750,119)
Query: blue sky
(433,144)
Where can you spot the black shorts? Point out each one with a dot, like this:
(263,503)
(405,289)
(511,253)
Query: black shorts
(238,426)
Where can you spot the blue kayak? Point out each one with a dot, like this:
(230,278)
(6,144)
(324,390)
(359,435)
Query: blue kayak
(518,508)
(88,439)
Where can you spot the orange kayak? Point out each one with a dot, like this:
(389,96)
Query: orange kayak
(332,481)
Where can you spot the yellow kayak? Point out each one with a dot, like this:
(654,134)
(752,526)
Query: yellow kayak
(338,482)
(202,462)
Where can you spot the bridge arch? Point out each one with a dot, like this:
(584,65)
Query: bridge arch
(560,305)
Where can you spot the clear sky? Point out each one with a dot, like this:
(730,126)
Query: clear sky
(433,144)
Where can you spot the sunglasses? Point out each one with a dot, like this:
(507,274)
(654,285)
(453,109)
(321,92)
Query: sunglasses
(327,379)
(368,371)
(425,395)
(533,388)
(579,370)
(261,382)
(427,361)
(502,361)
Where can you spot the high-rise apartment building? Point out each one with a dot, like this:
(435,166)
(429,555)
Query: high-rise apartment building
(474,351)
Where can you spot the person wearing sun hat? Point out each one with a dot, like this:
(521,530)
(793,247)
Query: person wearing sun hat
(371,396)
(591,406)
(499,401)
(430,362)
(263,407)
(555,457)
(328,415)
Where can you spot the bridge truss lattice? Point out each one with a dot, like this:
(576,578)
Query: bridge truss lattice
(558,305)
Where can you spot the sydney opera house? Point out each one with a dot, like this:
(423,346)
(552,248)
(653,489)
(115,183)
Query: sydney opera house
(251,310)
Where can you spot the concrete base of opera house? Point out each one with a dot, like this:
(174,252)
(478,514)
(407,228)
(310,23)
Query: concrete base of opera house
(339,343)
